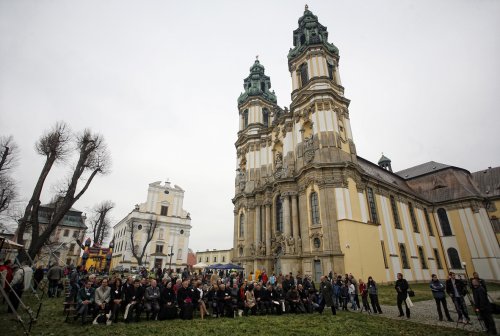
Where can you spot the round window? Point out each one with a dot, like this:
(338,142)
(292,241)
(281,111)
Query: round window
(139,227)
(317,242)
(182,231)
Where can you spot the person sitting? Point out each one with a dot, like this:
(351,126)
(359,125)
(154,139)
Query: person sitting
(223,301)
(116,299)
(168,300)
(250,303)
(293,299)
(133,300)
(185,296)
(102,298)
(152,300)
(85,301)
(304,298)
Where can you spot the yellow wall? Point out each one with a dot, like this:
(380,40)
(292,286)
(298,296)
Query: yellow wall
(363,257)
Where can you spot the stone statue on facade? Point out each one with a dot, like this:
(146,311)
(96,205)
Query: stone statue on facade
(308,149)
(252,249)
(241,179)
(262,248)
(299,245)
(280,171)
(291,245)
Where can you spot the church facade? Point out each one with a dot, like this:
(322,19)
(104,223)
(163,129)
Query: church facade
(306,202)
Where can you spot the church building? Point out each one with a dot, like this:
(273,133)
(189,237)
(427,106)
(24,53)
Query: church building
(306,202)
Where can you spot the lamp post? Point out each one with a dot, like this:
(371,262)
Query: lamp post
(170,255)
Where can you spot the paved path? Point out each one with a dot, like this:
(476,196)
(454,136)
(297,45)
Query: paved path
(426,312)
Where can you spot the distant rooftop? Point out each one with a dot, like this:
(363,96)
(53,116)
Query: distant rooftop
(422,169)
(488,181)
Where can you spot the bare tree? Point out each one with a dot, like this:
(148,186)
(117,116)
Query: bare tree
(8,159)
(93,159)
(100,222)
(149,230)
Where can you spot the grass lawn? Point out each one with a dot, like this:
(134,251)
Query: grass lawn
(347,323)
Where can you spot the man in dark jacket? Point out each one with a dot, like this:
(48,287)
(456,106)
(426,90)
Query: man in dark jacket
(185,298)
(437,288)
(483,306)
(85,300)
(326,291)
(402,290)
(54,275)
(457,289)
(133,300)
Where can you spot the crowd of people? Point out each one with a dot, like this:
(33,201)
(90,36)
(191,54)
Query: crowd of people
(162,294)
(165,295)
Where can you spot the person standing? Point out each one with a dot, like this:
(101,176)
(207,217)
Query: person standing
(326,290)
(373,294)
(54,275)
(402,290)
(483,306)
(17,287)
(456,288)
(38,277)
(438,288)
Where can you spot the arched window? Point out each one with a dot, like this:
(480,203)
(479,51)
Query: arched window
(330,70)
(314,208)
(242,225)
(454,258)
(265,117)
(262,86)
(304,75)
(279,215)
(443,220)
(245,119)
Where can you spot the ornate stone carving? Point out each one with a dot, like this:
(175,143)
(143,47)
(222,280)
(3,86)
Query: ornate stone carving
(241,179)
(309,149)
(291,245)
(279,169)
(252,249)
(278,243)
(262,248)
(299,245)
(317,234)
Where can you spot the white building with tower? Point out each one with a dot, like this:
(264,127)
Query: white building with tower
(162,224)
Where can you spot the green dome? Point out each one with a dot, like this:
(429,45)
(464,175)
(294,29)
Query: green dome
(257,84)
(310,32)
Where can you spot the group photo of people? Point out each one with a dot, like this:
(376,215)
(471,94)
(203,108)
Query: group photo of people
(160,294)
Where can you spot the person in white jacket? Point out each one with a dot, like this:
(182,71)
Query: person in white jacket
(352,294)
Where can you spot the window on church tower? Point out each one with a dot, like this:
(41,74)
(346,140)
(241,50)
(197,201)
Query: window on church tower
(242,225)
(314,209)
(262,86)
(304,75)
(445,223)
(404,257)
(330,70)
(372,205)
(279,215)
(395,213)
(413,218)
(265,117)
(245,119)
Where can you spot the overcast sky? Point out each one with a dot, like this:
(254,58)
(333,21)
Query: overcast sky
(160,79)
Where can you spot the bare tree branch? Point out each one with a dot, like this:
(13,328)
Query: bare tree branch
(136,250)
(93,159)
(8,160)
(100,223)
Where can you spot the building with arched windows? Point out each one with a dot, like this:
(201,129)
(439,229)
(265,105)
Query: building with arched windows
(306,202)
(160,223)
